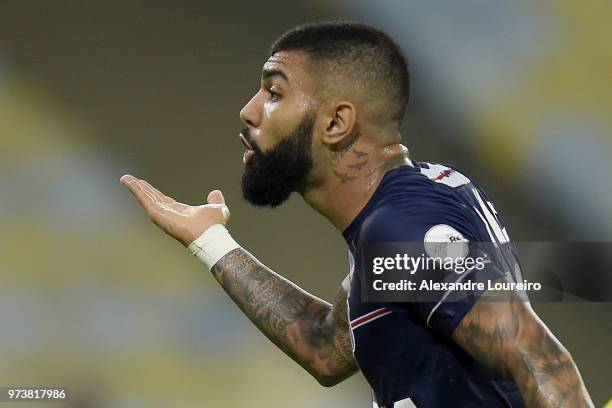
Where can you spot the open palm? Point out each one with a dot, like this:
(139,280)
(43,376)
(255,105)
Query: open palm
(183,222)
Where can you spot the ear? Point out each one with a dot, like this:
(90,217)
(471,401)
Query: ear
(340,122)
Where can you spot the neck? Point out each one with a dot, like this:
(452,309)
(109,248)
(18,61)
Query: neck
(351,179)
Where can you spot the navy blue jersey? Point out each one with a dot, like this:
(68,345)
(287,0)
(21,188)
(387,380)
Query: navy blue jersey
(404,349)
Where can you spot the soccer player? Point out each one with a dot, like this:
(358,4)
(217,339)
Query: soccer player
(325,123)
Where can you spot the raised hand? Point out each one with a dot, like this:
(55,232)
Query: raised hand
(183,222)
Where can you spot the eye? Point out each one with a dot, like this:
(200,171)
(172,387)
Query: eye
(273,95)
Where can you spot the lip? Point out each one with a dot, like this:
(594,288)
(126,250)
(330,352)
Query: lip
(244,141)
(249,152)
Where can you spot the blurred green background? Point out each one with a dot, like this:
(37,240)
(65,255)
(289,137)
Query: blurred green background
(515,93)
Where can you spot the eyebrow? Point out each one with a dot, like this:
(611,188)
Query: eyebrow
(267,73)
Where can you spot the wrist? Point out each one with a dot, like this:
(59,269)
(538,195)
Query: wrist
(213,244)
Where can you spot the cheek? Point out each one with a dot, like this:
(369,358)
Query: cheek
(270,110)
(279,120)
(271,129)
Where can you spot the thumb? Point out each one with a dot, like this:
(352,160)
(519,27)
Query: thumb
(215,197)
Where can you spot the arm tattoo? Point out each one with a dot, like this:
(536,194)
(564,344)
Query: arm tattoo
(309,330)
(507,336)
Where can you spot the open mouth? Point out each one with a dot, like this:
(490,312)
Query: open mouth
(247,157)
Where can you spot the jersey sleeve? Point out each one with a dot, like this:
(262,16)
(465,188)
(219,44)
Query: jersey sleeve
(428,238)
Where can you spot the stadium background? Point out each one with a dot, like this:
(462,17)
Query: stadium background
(517,94)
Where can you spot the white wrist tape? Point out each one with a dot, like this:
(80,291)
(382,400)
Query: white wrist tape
(212,245)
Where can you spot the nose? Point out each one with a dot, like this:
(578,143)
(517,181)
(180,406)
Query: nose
(250,113)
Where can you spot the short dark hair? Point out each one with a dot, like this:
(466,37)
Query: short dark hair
(369,56)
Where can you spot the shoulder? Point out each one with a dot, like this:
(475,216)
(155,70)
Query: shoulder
(412,200)
(402,228)
(423,188)
(412,220)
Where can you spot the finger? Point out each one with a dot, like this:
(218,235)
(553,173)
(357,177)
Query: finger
(143,190)
(156,193)
(215,197)
(160,213)
(135,186)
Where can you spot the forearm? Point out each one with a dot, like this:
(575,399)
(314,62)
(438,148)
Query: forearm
(311,331)
(294,320)
(548,377)
(507,336)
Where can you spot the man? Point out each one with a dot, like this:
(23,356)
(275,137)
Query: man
(325,123)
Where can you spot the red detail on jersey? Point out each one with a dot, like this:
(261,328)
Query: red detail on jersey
(369,317)
(444,173)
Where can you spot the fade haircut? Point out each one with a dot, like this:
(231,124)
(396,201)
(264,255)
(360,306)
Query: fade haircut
(356,53)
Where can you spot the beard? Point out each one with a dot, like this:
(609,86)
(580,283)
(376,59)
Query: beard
(271,177)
